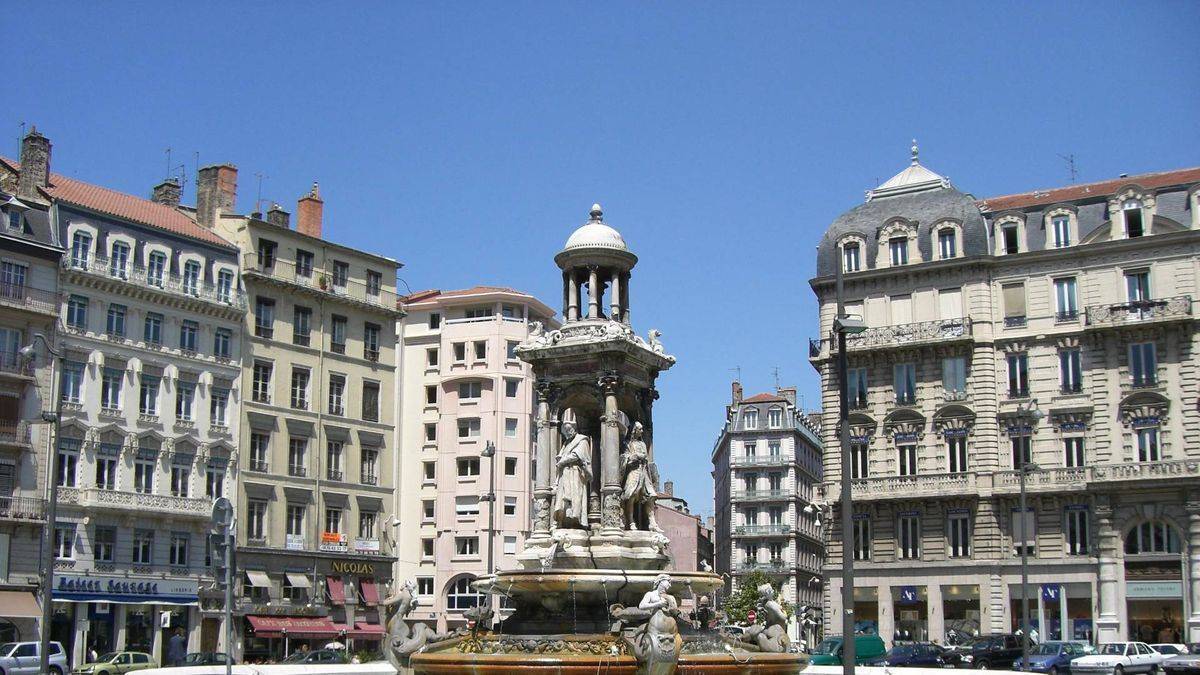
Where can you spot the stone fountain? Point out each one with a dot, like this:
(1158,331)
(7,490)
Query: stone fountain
(592,593)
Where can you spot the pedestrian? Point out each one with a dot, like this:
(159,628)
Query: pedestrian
(177,648)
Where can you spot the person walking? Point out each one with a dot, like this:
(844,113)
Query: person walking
(177,648)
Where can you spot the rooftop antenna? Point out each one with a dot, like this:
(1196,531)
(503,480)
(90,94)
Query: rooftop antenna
(196,163)
(168,161)
(258,198)
(1070,160)
(775,370)
(20,140)
(738,371)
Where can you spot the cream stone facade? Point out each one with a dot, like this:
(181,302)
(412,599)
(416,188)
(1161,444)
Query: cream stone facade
(462,389)
(1075,303)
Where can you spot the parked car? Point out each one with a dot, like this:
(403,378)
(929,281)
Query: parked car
(114,663)
(991,652)
(1119,658)
(1053,658)
(317,656)
(1184,664)
(18,658)
(867,648)
(205,659)
(1169,649)
(912,655)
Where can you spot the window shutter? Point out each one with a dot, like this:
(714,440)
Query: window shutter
(1014,300)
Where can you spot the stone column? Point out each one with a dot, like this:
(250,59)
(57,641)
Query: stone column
(593,293)
(1108,624)
(625,300)
(614,312)
(935,611)
(572,296)
(542,484)
(887,614)
(1192,578)
(566,295)
(611,518)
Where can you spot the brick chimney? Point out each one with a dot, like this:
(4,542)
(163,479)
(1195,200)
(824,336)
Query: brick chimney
(35,165)
(737,392)
(167,192)
(278,217)
(216,192)
(669,488)
(309,211)
(788,393)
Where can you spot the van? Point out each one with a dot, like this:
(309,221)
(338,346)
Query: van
(867,648)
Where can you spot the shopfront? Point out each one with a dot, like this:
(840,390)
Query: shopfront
(911,605)
(1155,610)
(1057,611)
(960,612)
(866,611)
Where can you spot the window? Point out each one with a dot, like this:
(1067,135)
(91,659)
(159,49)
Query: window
(1014,305)
(425,586)
(214,481)
(468,467)
(222,339)
(1009,235)
(466,546)
(148,395)
(431,357)
(510,350)
(1024,532)
(1070,373)
(909,543)
(68,462)
(851,257)
(862,539)
(153,328)
(1152,537)
(179,549)
(64,541)
(295,520)
(110,389)
(1018,375)
(466,506)
(960,535)
(181,478)
(1137,289)
(775,418)
(898,246)
(72,381)
(300,381)
(260,390)
(143,547)
(333,460)
(954,377)
(510,545)
(374,283)
(429,471)
(1073,451)
(337,334)
(510,506)
(427,550)
(341,275)
(775,482)
(1147,444)
(266,253)
(1077,530)
(478,312)
(14,219)
(264,317)
(907,459)
(370,466)
(856,379)
(431,394)
(510,427)
(366,524)
(189,331)
(185,395)
(77,307)
(427,509)
(297,451)
(304,263)
(337,395)
(225,286)
(435,321)
(81,248)
(371,342)
(104,543)
(511,387)
(118,264)
(1064,298)
(256,519)
(750,418)
(510,466)
(1143,364)
(191,277)
(1061,226)
(470,390)
(468,427)
(480,350)
(773,448)
(1132,209)
(859,460)
(904,380)
(218,407)
(333,519)
(370,401)
(116,321)
(460,351)
(143,476)
(1022,449)
(461,596)
(956,451)
(301,326)
(947,243)
(106,471)
(430,432)
(260,451)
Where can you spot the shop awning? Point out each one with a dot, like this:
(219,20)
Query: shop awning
(370,592)
(363,629)
(298,580)
(259,579)
(292,626)
(337,590)
(19,605)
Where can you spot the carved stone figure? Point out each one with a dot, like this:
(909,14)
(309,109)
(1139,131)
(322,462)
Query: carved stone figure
(658,644)
(771,635)
(639,494)
(655,344)
(574,464)
(402,639)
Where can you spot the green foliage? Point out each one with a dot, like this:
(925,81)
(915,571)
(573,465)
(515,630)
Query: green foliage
(745,598)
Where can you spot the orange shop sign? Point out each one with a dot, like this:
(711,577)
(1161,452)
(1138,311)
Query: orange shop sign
(333,541)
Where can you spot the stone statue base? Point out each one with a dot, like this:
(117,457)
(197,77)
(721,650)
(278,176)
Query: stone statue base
(582,549)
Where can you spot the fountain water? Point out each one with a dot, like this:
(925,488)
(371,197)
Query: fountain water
(595,562)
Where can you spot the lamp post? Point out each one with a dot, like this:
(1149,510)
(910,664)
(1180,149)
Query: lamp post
(27,354)
(489,451)
(1027,415)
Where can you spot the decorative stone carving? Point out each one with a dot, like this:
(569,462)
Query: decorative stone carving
(656,643)
(771,634)
(640,483)
(574,463)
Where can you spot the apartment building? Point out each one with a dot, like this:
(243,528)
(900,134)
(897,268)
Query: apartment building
(151,317)
(29,258)
(1047,336)
(314,541)
(467,402)
(766,471)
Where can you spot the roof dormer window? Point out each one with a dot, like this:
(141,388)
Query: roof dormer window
(750,419)
(14,218)
(1132,210)
(1011,238)
(851,257)
(1061,226)
(947,243)
(898,247)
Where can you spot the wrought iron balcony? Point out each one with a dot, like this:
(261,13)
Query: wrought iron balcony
(905,487)
(15,433)
(773,529)
(1139,312)
(169,283)
(763,495)
(21,296)
(320,281)
(904,335)
(30,509)
(99,499)
(779,566)
(12,364)
(761,460)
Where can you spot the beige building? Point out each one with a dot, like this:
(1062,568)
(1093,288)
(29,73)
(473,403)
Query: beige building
(316,446)
(467,403)
(1052,330)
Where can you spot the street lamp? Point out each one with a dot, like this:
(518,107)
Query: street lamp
(489,451)
(28,354)
(1027,415)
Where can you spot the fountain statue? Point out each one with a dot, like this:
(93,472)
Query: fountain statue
(592,589)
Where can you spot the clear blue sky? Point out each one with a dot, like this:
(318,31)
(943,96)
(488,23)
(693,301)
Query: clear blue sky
(468,139)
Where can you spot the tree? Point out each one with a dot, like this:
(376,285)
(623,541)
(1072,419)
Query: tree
(745,598)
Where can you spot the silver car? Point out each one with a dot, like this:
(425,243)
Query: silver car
(21,658)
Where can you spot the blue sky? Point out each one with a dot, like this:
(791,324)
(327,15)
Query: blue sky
(468,139)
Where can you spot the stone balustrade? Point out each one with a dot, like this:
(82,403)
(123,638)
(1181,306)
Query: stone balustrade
(761,460)
(905,487)
(97,498)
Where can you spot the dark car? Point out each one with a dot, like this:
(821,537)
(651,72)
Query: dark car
(1050,657)
(991,652)
(913,655)
(1184,664)
(205,659)
(317,656)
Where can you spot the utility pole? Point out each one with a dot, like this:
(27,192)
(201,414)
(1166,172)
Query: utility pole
(840,327)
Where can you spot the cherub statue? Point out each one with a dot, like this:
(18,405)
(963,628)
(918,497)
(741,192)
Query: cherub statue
(771,635)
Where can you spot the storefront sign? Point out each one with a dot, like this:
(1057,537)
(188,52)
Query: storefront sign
(908,594)
(365,569)
(1154,589)
(366,545)
(1051,592)
(125,590)
(295,542)
(333,541)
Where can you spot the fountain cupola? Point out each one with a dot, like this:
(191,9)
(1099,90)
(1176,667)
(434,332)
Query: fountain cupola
(595,265)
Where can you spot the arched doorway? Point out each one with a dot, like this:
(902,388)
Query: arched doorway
(1154,582)
(461,596)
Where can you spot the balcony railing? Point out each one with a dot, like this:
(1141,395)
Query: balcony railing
(370,479)
(1065,478)
(333,474)
(96,498)
(1140,311)
(762,495)
(167,282)
(14,432)
(26,297)
(770,567)
(320,281)
(1183,468)
(22,508)
(902,487)
(12,364)
(761,460)
(902,335)
(773,529)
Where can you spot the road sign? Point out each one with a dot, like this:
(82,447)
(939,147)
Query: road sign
(222,514)
(751,616)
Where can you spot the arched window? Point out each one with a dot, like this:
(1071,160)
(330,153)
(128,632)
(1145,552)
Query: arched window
(750,419)
(81,248)
(947,243)
(1155,536)
(851,257)
(775,418)
(460,596)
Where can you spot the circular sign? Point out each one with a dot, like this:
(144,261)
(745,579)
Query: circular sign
(751,616)
(471,623)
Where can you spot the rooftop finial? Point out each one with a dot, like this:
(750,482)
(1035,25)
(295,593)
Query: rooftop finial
(914,151)
(597,213)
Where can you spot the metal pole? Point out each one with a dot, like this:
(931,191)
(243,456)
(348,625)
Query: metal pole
(848,651)
(229,598)
(1025,440)
(51,522)
(491,566)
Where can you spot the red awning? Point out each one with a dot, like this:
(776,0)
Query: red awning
(363,629)
(293,626)
(337,590)
(370,592)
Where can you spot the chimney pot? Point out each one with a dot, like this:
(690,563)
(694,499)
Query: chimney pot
(737,392)
(309,212)
(669,488)
(216,192)
(35,165)
(278,217)
(167,192)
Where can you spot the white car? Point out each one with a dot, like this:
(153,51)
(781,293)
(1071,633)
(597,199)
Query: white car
(20,658)
(1170,649)
(1119,658)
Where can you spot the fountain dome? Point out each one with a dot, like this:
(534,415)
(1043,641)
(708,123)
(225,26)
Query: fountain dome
(595,233)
